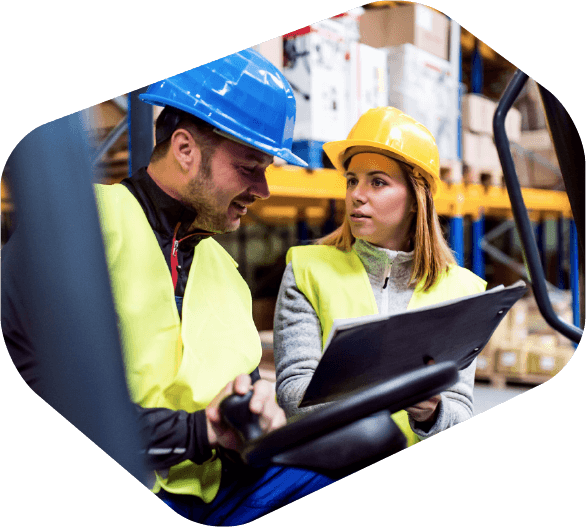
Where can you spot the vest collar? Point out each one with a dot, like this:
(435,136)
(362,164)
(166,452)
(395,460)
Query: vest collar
(162,211)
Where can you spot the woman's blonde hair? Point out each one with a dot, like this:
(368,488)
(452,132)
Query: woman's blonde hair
(432,255)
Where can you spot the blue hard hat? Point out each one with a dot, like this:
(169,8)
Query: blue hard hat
(243,95)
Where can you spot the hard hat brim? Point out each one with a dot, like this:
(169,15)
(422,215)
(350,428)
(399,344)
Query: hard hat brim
(283,153)
(335,151)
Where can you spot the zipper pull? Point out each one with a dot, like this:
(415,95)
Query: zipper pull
(173,260)
(387,275)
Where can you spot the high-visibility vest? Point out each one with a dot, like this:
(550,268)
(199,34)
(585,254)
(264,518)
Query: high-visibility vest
(172,363)
(336,284)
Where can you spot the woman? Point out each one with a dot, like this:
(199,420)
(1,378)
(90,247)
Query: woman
(388,256)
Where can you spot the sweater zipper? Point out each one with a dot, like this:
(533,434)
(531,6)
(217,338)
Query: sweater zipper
(384,294)
(387,274)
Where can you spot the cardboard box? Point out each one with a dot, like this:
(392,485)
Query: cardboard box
(511,360)
(517,322)
(544,175)
(499,339)
(471,150)
(478,112)
(412,24)
(368,82)
(273,51)
(481,159)
(567,316)
(536,140)
(536,323)
(488,153)
(522,165)
(549,360)
(350,22)
(534,170)
(485,363)
(513,124)
(316,67)
(422,85)
(486,360)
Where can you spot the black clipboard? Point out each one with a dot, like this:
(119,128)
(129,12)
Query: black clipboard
(369,350)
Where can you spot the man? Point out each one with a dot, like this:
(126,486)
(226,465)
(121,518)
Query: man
(184,310)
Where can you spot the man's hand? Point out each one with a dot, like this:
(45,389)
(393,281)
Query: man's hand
(262,403)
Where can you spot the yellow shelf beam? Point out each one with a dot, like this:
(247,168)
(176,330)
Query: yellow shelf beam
(301,193)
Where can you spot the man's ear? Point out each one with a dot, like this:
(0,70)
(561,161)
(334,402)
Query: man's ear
(185,149)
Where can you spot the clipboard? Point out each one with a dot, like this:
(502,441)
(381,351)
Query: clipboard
(364,351)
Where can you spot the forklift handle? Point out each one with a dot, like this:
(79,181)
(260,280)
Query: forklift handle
(520,212)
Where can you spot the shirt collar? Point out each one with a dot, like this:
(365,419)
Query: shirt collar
(163,211)
(378,261)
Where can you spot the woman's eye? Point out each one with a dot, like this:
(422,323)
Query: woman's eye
(350,182)
(377,182)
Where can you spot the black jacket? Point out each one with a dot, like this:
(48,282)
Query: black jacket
(169,437)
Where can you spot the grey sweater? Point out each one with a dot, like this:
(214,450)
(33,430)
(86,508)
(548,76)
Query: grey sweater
(298,336)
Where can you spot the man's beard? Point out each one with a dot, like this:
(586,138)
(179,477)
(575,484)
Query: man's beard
(200,197)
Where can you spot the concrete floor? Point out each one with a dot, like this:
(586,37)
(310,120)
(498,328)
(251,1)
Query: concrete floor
(487,397)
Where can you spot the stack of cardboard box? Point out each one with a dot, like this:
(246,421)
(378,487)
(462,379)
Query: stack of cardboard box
(423,82)
(335,79)
(536,162)
(525,344)
(415,24)
(480,157)
(315,61)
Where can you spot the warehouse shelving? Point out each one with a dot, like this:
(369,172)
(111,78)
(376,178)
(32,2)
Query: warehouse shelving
(294,189)
(315,197)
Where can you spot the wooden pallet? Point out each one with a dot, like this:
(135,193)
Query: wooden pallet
(488,176)
(499,380)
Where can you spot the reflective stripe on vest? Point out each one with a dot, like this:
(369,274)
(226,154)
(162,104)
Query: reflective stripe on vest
(169,364)
(337,285)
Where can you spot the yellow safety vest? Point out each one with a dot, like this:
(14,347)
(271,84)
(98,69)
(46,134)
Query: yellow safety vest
(337,285)
(169,364)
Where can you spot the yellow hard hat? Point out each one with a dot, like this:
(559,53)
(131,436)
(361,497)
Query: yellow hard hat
(399,135)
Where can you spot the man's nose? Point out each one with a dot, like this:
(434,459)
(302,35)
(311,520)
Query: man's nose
(259,187)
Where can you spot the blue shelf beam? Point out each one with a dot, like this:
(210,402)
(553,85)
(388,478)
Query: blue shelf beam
(477,256)
(456,238)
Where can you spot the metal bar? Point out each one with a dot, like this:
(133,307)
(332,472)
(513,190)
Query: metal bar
(477,70)
(478,258)
(395,394)
(456,238)
(521,214)
(574,257)
(540,242)
(560,243)
(571,158)
(105,146)
(64,280)
(303,231)
(140,137)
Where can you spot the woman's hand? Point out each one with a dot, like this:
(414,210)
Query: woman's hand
(425,411)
